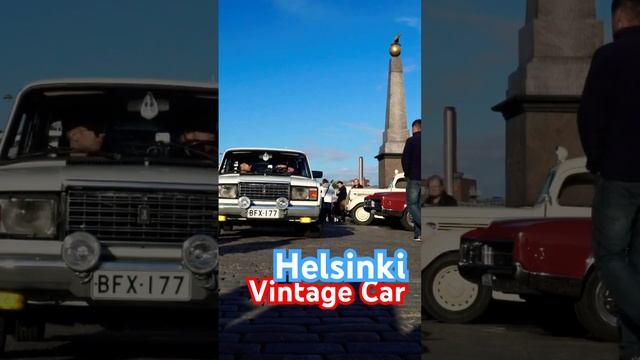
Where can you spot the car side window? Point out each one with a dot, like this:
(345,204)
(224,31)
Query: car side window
(401,183)
(577,190)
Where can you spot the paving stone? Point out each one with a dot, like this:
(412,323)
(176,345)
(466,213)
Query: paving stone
(238,348)
(353,320)
(352,337)
(292,320)
(290,357)
(414,336)
(253,328)
(364,357)
(384,347)
(228,337)
(280,337)
(304,348)
(334,328)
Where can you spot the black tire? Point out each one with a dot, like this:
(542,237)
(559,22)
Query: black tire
(447,296)
(406,221)
(360,216)
(596,310)
(3,335)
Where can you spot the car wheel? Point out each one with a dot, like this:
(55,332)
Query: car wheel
(3,335)
(597,311)
(29,330)
(406,221)
(361,216)
(448,297)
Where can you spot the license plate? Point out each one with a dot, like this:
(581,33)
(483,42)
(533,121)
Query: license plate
(141,285)
(263,213)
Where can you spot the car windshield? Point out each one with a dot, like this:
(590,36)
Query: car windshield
(162,124)
(265,162)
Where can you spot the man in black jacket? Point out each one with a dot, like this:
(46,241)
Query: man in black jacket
(609,125)
(411,158)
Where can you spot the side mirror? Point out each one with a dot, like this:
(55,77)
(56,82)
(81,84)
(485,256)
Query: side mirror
(317,174)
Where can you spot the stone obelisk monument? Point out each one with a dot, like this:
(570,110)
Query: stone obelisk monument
(395,132)
(556,44)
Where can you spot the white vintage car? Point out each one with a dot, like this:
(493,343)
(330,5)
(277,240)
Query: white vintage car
(107,209)
(261,186)
(355,204)
(567,192)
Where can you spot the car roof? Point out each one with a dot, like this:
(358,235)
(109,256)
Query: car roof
(81,82)
(264,149)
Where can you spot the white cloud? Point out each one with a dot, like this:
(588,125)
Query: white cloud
(410,68)
(410,21)
(364,128)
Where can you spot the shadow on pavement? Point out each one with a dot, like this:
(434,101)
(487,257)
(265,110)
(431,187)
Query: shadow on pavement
(357,331)
(104,344)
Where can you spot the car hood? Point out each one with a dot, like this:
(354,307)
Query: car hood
(513,229)
(380,195)
(293,180)
(57,175)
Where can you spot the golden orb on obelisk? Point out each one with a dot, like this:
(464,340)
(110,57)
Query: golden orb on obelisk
(395,48)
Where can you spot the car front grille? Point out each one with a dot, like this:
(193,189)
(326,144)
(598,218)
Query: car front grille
(264,191)
(138,216)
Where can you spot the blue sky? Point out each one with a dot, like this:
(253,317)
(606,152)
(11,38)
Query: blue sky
(117,38)
(312,75)
(472,47)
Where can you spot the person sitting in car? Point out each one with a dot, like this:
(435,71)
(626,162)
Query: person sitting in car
(284,169)
(85,137)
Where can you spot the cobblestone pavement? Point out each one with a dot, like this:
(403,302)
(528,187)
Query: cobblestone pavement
(356,331)
(508,332)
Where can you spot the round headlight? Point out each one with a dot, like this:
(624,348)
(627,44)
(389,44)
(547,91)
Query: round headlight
(244,202)
(282,203)
(200,254)
(81,251)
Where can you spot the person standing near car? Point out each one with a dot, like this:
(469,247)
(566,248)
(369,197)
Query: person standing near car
(341,202)
(411,158)
(609,126)
(326,193)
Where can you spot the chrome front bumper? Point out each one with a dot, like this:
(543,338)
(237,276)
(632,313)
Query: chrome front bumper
(35,269)
(293,213)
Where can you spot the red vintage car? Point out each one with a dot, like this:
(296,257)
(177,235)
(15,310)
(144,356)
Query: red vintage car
(390,205)
(545,261)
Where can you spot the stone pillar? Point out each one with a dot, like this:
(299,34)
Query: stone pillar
(396,132)
(556,44)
